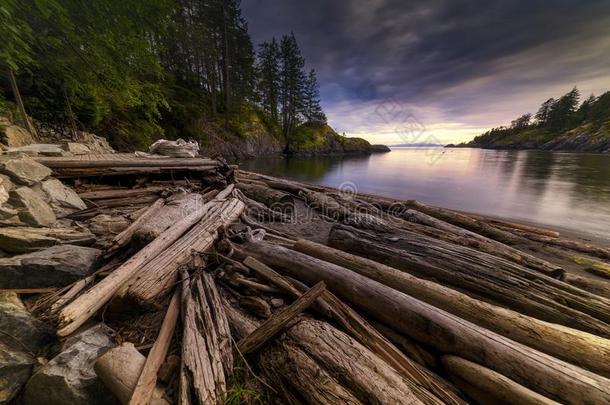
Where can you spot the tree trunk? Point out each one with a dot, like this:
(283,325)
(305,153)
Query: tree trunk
(17,94)
(147,381)
(490,387)
(319,364)
(155,278)
(204,343)
(495,279)
(580,348)
(439,329)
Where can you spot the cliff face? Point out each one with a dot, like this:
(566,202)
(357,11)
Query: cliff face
(584,138)
(309,140)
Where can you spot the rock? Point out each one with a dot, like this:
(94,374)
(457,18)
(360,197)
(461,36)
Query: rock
(17,136)
(377,148)
(63,199)
(106,225)
(56,266)
(33,210)
(69,377)
(26,332)
(15,369)
(22,239)
(119,368)
(96,144)
(5,186)
(24,170)
(76,148)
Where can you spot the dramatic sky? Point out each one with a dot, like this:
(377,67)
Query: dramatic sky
(400,71)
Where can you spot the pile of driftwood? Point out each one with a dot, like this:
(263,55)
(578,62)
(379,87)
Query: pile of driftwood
(276,291)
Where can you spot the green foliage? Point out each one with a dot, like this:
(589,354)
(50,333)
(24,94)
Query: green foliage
(239,392)
(134,70)
(555,118)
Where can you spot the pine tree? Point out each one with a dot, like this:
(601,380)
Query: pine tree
(292,83)
(269,77)
(542,116)
(311,104)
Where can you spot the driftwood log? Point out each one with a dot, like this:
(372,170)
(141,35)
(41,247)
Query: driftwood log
(358,328)
(279,320)
(445,332)
(319,364)
(156,277)
(206,347)
(584,349)
(84,307)
(488,387)
(176,207)
(495,279)
(147,381)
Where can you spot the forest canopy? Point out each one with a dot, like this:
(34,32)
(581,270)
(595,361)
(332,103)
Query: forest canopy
(553,118)
(135,70)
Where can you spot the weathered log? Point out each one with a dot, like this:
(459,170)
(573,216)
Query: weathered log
(135,162)
(120,193)
(598,287)
(202,375)
(498,280)
(358,328)
(577,347)
(439,329)
(81,309)
(367,216)
(509,226)
(324,366)
(177,207)
(145,386)
(485,244)
(67,173)
(125,236)
(407,345)
(494,387)
(156,277)
(603,253)
(119,369)
(279,320)
(275,200)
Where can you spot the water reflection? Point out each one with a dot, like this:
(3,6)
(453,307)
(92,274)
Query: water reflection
(557,189)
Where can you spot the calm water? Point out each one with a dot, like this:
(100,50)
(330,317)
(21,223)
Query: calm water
(566,190)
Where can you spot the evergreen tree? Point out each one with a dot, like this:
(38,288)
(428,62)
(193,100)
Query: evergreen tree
(561,114)
(269,77)
(542,116)
(311,104)
(292,84)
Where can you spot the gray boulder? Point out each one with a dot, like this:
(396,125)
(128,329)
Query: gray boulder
(15,369)
(63,199)
(56,266)
(76,148)
(69,377)
(24,170)
(24,239)
(26,332)
(5,186)
(33,209)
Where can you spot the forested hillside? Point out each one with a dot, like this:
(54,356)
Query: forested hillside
(134,71)
(559,124)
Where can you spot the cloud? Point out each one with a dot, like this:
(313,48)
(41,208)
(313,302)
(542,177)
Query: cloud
(457,65)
